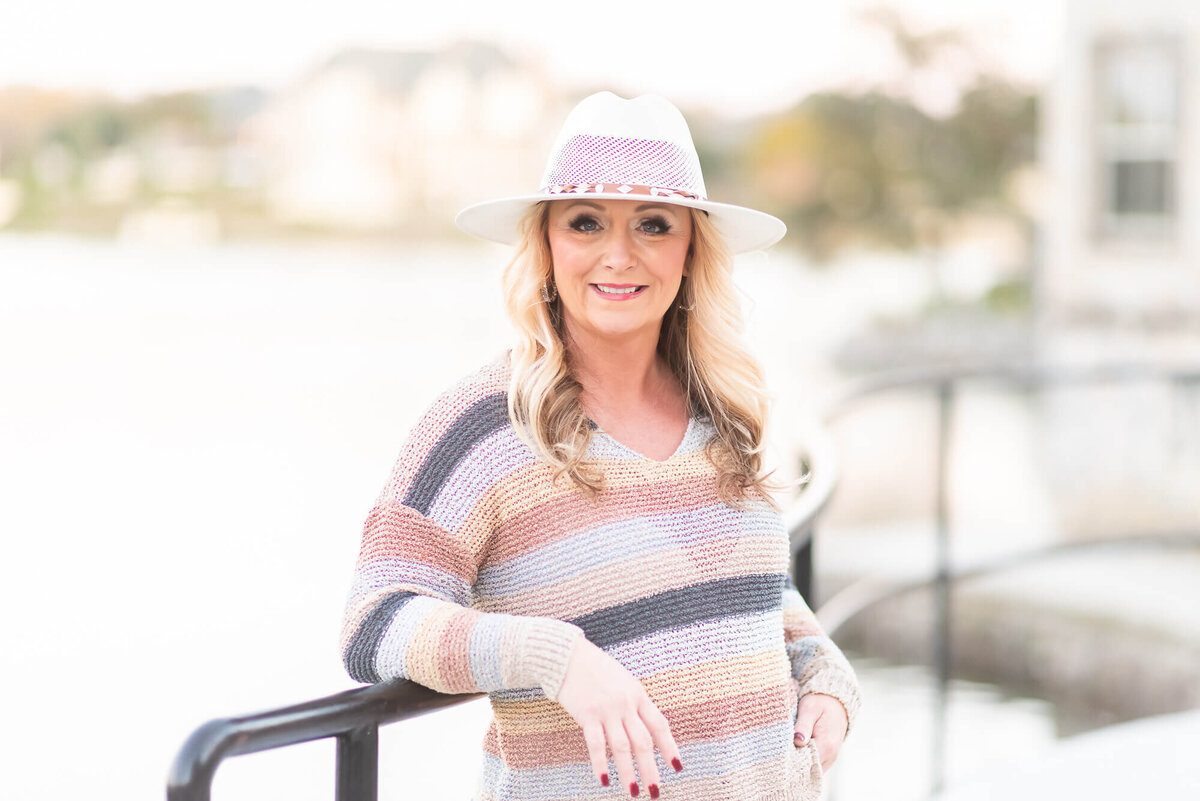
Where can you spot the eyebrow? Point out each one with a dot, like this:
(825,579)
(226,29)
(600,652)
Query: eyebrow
(640,208)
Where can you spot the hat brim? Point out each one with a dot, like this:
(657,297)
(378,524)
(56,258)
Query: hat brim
(744,229)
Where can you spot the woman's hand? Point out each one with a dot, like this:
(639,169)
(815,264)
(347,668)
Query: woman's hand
(612,707)
(822,719)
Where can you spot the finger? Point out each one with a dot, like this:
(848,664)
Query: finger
(660,730)
(827,748)
(828,734)
(593,735)
(806,719)
(643,751)
(618,741)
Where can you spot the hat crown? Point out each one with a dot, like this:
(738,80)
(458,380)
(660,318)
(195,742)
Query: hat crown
(610,148)
(643,142)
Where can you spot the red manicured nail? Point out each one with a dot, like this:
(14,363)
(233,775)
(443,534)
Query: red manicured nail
(675,763)
(633,789)
(604,779)
(799,736)
(654,791)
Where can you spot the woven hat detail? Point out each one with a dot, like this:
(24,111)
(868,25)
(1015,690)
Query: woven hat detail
(618,161)
(613,148)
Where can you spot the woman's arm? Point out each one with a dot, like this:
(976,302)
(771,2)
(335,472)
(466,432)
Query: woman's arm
(408,614)
(818,665)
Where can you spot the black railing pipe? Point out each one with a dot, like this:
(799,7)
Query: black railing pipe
(353,716)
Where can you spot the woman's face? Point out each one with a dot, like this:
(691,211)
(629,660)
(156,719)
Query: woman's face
(617,263)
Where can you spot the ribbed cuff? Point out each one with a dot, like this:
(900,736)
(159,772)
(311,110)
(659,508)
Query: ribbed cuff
(544,652)
(839,684)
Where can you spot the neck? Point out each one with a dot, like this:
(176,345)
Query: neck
(618,373)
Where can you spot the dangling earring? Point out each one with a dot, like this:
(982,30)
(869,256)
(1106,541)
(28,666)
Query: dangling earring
(686,308)
(549,292)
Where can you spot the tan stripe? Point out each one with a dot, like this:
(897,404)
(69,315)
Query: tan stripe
(707,684)
(437,655)
(718,679)
(799,623)
(697,722)
(530,492)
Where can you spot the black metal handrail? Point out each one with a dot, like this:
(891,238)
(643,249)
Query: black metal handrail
(944,381)
(354,716)
(860,596)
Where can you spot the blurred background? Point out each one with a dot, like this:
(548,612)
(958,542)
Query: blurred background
(230,281)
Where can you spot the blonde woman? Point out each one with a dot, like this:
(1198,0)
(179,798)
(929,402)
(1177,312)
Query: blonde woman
(583,528)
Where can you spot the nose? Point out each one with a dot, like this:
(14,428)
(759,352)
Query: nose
(619,253)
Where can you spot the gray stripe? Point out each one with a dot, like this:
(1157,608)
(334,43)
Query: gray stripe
(710,600)
(486,416)
(360,654)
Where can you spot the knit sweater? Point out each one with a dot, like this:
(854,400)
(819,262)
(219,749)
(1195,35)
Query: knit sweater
(478,573)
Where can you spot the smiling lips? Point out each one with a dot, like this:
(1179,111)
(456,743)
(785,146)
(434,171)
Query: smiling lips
(617,291)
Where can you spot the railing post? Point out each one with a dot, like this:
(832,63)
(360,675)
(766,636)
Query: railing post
(358,765)
(941,587)
(802,570)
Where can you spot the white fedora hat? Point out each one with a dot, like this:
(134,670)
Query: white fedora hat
(613,148)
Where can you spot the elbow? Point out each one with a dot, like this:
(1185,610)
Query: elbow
(361,646)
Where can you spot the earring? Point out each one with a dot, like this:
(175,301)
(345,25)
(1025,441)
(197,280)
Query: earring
(686,308)
(549,292)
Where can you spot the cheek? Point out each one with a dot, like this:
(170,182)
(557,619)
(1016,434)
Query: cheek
(569,260)
(675,257)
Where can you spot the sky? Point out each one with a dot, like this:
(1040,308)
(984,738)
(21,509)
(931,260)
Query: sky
(738,58)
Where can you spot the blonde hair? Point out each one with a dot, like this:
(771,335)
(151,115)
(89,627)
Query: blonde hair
(700,344)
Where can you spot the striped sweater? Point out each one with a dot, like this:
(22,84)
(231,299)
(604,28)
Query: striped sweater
(477,573)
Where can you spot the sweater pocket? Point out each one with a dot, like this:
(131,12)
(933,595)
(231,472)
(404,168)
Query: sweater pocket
(807,764)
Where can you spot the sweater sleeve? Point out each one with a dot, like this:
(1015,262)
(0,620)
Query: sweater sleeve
(408,614)
(818,665)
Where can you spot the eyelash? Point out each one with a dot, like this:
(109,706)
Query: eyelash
(659,223)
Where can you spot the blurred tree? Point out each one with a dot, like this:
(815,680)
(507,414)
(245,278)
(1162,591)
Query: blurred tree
(875,168)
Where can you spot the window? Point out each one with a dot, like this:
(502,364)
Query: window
(1137,113)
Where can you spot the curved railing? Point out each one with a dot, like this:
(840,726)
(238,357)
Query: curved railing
(944,382)
(353,717)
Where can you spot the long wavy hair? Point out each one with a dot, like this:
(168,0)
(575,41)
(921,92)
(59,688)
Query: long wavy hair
(699,341)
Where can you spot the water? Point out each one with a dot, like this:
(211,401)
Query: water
(190,442)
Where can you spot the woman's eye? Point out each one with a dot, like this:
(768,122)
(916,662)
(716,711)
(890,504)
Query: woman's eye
(584,222)
(655,225)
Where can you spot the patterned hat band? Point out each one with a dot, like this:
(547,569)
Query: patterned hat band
(623,164)
(624,189)
(610,148)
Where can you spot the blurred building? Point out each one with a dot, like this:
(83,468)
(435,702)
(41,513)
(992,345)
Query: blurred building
(380,139)
(1120,278)
(1123,233)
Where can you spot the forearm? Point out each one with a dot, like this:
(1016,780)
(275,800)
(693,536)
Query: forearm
(452,648)
(818,665)
(409,616)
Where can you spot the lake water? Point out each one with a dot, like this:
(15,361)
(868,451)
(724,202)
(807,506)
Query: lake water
(189,442)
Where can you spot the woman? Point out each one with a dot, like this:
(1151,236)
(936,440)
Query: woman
(582,528)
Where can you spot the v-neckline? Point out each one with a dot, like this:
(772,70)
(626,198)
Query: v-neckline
(687,435)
